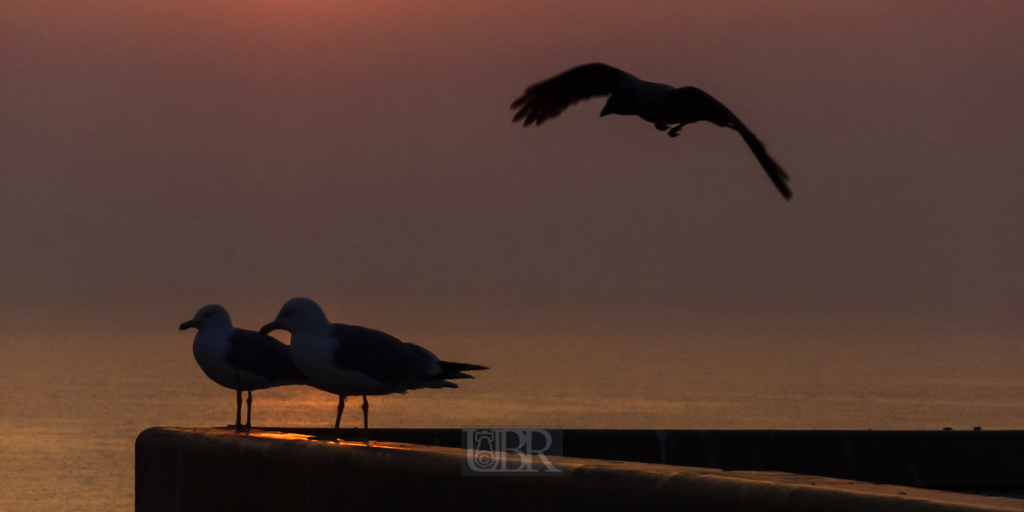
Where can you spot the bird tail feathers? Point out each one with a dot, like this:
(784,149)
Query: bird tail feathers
(451,370)
(433,382)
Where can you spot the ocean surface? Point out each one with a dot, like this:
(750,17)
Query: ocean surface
(71,407)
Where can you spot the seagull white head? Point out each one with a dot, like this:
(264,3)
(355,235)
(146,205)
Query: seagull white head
(209,317)
(298,314)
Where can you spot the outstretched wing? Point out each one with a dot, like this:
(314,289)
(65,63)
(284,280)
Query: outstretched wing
(548,99)
(696,105)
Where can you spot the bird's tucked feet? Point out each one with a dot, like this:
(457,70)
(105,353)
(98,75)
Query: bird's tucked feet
(674,132)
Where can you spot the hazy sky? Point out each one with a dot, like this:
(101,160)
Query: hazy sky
(157,156)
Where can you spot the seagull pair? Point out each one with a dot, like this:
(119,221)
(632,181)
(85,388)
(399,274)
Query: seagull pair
(667,107)
(340,359)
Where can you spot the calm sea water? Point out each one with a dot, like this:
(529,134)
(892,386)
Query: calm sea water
(70,408)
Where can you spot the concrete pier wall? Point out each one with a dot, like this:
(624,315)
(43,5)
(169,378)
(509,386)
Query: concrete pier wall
(219,470)
(989,460)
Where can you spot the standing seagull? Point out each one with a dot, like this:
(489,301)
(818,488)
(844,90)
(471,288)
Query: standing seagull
(660,104)
(238,359)
(352,360)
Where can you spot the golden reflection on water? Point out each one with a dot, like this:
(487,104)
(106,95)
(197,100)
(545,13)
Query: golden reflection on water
(70,409)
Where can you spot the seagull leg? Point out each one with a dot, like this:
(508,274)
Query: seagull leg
(238,409)
(248,411)
(337,421)
(366,420)
(674,132)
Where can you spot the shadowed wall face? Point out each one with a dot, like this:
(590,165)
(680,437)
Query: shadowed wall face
(159,156)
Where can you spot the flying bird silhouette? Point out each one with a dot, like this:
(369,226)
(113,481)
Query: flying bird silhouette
(667,107)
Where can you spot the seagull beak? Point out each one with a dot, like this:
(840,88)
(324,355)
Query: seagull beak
(186,325)
(271,327)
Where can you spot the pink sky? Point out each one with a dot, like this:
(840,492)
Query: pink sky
(158,156)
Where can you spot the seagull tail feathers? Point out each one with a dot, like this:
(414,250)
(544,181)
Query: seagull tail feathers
(452,370)
(774,170)
(433,382)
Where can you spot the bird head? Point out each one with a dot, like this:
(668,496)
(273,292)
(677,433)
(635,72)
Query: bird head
(209,317)
(298,315)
